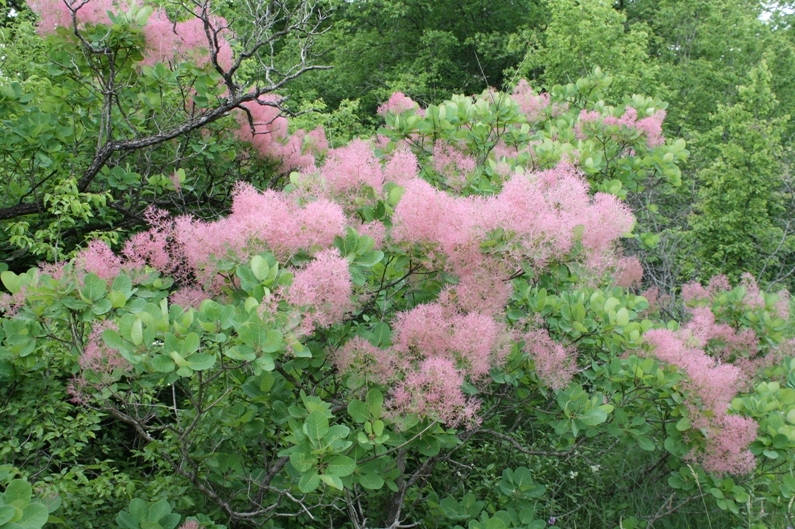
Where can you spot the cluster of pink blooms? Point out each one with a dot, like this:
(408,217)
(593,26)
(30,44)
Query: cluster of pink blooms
(535,219)
(324,286)
(629,272)
(98,358)
(650,126)
(189,250)
(718,361)
(54,14)
(531,104)
(166,40)
(100,260)
(453,165)
(399,103)
(263,125)
(188,40)
(540,218)
(714,385)
(436,348)
(555,364)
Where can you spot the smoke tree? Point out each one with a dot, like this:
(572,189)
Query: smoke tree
(447,298)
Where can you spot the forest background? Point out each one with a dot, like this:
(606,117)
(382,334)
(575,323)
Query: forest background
(601,399)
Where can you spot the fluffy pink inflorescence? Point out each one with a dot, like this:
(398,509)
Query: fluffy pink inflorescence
(268,134)
(54,14)
(188,248)
(401,168)
(629,272)
(260,221)
(359,355)
(99,259)
(436,348)
(531,105)
(187,40)
(555,364)
(397,104)
(714,385)
(190,296)
(165,40)
(190,524)
(452,164)
(650,126)
(540,216)
(97,356)
(726,450)
(471,341)
(434,390)
(153,247)
(349,168)
(324,288)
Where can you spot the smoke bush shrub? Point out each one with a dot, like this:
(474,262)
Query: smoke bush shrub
(332,349)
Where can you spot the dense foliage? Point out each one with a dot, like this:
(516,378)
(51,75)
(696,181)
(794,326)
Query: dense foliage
(473,316)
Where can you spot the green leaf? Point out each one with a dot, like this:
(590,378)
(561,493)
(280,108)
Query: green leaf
(139,509)
(332,481)
(163,363)
(201,361)
(158,510)
(382,334)
(358,411)
(316,427)
(266,363)
(375,401)
(19,489)
(645,444)
(122,284)
(594,417)
(11,281)
(302,461)
(189,344)
(309,482)
(260,267)
(94,288)
(7,513)
(341,466)
(241,352)
(126,520)
(34,516)
(137,332)
(622,317)
(371,481)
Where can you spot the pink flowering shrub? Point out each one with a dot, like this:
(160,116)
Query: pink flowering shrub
(453,165)
(434,390)
(168,41)
(542,216)
(399,299)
